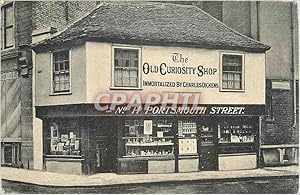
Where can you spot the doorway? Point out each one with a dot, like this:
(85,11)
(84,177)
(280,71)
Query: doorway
(104,146)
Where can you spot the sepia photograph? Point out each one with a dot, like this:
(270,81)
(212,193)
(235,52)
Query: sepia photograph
(149,97)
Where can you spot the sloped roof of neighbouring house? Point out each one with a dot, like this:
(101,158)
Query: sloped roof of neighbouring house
(152,23)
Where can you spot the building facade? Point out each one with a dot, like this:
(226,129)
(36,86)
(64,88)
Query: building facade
(275,24)
(18,21)
(127,97)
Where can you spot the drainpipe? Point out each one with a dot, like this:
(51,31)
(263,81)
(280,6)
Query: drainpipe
(257,19)
(293,65)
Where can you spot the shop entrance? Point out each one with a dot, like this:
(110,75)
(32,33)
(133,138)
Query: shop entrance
(207,145)
(104,147)
(102,150)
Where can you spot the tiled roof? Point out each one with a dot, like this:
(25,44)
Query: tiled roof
(153,23)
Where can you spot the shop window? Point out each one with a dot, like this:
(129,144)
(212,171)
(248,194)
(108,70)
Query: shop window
(148,138)
(61,72)
(7,13)
(187,131)
(232,72)
(238,135)
(64,138)
(126,67)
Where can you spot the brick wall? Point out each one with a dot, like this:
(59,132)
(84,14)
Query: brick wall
(28,17)
(59,14)
(279,129)
(23,19)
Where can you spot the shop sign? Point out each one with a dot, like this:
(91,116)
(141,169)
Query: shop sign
(154,110)
(179,65)
(163,104)
(282,85)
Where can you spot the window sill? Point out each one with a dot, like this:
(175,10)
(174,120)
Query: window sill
(61,93)
(125,88)
(233,90)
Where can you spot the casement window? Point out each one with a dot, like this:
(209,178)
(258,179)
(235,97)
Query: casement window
(126,67)
(61,72)
(7,13)
(232,72)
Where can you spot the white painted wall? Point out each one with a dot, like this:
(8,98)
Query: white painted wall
(99,71)
(92,74)
(78,79)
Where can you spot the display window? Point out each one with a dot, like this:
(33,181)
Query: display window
(64,138)
(238,135)
(231,132)
(148,138)
(187,131)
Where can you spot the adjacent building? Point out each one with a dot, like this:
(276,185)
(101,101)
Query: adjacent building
(19,20)
(101,85)
(275,24)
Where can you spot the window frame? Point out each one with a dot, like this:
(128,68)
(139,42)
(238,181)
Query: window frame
(242,72)
(139,76)
(15,153)
(3,26)
(52,92)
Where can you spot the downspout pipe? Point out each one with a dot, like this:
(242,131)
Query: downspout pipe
(257,20)
(293,65)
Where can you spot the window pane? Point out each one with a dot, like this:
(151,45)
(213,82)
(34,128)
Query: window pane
(232,71)
(117,62)
(9,16)
(9,37)
(128,75)
(118,53)
(61,76)
(7,154)
(67,65)
(61,64)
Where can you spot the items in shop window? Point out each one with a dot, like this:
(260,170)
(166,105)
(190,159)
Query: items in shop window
(160,134)
(60,147)
(180,133)
(187,146)
(189,127)
(149,146)
(234,138)
(64,137)
(206,135)
(236,133)
(205,128)
(148,127)
(54,130)
(71,135)
(132,131)
(157,152)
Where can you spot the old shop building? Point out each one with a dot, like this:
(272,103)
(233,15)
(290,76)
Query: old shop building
(151,48)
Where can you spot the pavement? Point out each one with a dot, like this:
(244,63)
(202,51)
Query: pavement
(44,178)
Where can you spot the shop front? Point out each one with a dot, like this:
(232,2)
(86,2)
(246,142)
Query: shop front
(131,144)
(144,100)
